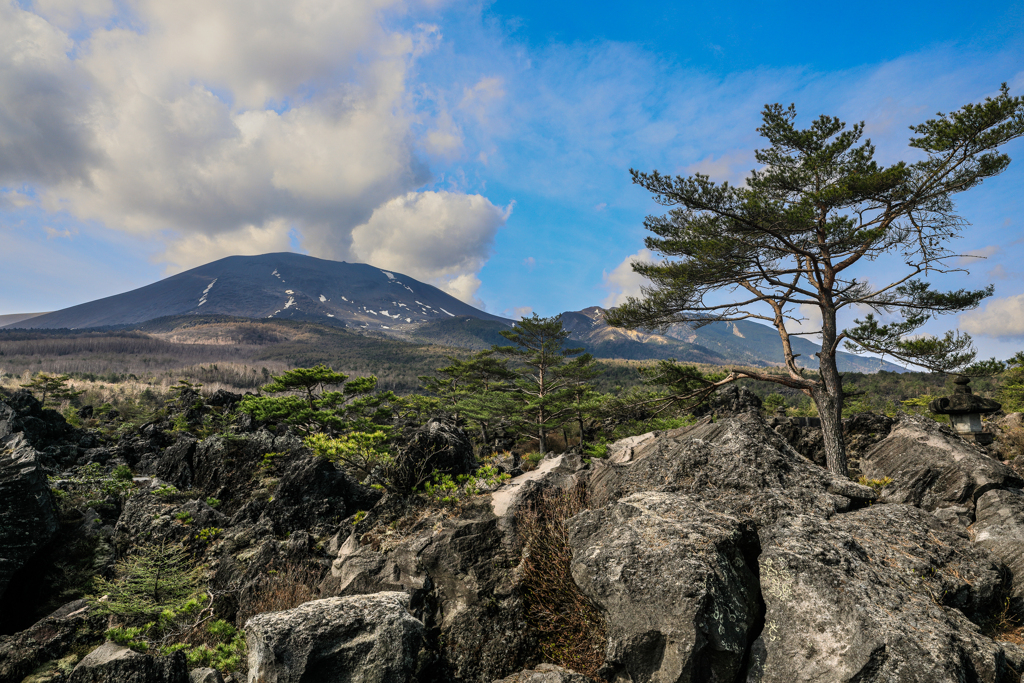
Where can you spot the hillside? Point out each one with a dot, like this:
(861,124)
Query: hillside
(281,286)
(376,302)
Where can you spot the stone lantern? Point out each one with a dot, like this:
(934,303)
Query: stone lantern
(965,411)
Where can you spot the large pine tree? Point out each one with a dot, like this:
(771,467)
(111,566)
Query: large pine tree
(795,235)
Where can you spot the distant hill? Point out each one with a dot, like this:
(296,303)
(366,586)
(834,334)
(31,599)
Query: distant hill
(284,285)
(12,318)
(370,300)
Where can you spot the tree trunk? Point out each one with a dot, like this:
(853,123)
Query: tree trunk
(828,396)
(830,410)
(540,441)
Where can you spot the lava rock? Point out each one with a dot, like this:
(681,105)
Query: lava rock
(677,583)
(337,640)
(545,673)
(886,593)
(27,516)
(730,401)
(752,470)
(931,467)
(113,663)
(1000,530)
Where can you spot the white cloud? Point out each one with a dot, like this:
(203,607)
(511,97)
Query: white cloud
(1001,317)
(622,282)
(220,128)
(246,241)
(732,166)
(520,312)
(530,262)
(439,237)
(975,256)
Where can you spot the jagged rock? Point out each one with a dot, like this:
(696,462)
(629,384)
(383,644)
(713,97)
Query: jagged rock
(149,516)
(885,593)
(9,420)
(677,583)
(752,470)
(931,467)
(730,401)
(222,398)
(1000,530)
(371,638)
(27,517)
(72,627)
(458,568)
(545,673)
(440,445)
(42,427)
(113,663)
(205,675)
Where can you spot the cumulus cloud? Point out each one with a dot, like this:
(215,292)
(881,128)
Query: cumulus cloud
(622,282)
(221,128)
(972,257)
(438,237)
(1001,317)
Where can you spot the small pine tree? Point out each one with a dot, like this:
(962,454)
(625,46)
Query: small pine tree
(542,393)
(1011,393)
(52,388)
(156,579)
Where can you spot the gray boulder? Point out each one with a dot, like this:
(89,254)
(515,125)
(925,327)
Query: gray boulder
(932,468)
(459,568)
(886,593)
(113,663)
(205,674)
(1000,530)
(365,639)
(677,583)
(27,517)
(752,470)
(545,673)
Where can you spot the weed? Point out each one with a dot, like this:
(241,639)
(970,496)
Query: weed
(876,484)
(184,517)
(569,625)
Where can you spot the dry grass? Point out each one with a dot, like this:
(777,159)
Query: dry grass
(282,589)
(570,626)
(1005,626)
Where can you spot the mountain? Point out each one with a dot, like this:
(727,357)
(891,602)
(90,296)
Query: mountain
(742,342)
(283,285)
(367,299)
(12,318)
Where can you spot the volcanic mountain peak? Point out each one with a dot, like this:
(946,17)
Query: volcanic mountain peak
(280,285)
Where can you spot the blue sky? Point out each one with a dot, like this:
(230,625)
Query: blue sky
(483,147)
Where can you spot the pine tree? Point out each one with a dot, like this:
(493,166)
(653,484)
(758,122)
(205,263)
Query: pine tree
(794,234)
(541,393)
(52,388)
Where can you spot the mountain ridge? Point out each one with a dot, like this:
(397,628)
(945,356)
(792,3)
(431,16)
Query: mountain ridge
(368,299)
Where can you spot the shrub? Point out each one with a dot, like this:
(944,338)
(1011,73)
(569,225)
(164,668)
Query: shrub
(290,586)
(876,484)
(89,486)
(568,624)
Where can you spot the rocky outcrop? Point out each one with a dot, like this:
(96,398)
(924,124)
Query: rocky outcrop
(999,528)
(366,638)
(730,401)
(27,516)
(677,582)
(440,445)
(751,470)
(886,593)
(933,468)
(113,663)
(545,673)
(72,627)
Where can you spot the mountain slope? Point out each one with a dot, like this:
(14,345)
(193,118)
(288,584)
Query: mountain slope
(743,342)
(282,285)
